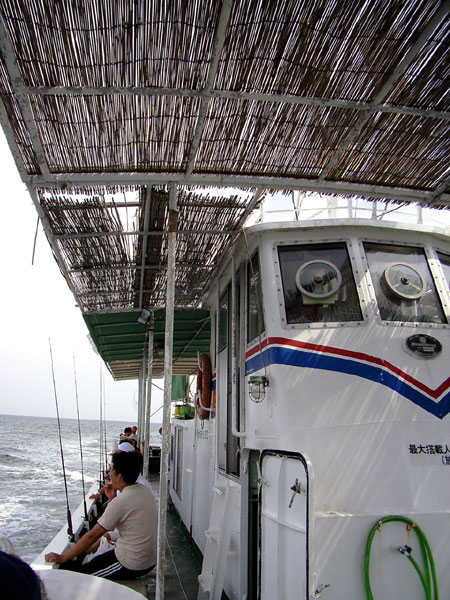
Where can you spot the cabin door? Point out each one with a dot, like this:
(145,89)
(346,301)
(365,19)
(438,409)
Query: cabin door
(284,517)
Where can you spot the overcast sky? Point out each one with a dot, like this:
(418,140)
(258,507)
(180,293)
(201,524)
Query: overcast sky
(36,305)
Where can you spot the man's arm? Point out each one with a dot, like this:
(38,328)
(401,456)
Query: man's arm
(81,546)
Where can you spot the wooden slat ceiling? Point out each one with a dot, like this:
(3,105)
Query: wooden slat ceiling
(106,104)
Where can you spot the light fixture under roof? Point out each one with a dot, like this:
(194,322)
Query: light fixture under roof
(144,316)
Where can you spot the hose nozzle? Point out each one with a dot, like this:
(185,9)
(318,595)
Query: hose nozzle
(406,550)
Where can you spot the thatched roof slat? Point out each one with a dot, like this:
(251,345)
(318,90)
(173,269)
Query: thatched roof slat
(124,91)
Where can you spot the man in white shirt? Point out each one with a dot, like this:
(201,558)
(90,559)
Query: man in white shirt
(134,514)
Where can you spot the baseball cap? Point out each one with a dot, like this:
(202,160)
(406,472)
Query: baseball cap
(126,447)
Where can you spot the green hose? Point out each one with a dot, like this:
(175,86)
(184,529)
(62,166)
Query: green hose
(427,577)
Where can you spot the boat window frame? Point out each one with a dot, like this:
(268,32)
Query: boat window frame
(260,299)
(440,253)
(430,252)
(359,285)
(223,412)
(437,270)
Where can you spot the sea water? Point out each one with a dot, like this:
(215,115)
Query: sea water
(32,492)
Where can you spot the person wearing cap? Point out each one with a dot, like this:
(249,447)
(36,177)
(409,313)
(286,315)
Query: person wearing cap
(134,514)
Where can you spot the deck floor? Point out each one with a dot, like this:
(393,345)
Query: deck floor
(182,564)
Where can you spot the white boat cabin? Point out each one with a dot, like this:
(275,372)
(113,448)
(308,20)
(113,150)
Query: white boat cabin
(329,414)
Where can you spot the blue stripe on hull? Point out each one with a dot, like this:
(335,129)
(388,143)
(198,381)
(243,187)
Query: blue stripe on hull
(276,355)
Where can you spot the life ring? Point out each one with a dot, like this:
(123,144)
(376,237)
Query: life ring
(203,395)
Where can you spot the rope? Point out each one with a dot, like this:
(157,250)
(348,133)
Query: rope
(175,567)
(69,516)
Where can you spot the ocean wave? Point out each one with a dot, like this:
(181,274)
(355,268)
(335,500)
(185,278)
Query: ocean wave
(11,459)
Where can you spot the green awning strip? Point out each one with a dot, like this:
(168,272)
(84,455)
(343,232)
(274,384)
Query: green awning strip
(119,336)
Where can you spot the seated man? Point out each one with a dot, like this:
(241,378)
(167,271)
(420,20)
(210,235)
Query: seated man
(106,489)
(135,516)
(133,435)
(127,436)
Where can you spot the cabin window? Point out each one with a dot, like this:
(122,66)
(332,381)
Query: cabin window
(255,316)
(223,320)
(403,284)
(178,461)
(318,284)
(445,262)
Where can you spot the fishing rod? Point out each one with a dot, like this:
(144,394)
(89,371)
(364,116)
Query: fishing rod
(69,516)
(101,466)
(104,426)
(79,437)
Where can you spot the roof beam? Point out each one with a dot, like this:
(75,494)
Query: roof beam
(114,205)
(219,40)
(232,95)
(148,195)
(11,140)
(388,86)
(439,192)
(178,288)
(160,267)
(20,93)
(99,234)
(244,181)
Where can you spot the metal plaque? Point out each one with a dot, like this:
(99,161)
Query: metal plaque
(423,346)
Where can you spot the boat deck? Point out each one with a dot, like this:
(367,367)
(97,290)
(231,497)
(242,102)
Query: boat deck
(183,565)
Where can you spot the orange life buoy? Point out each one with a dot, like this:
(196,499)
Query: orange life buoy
(203,396)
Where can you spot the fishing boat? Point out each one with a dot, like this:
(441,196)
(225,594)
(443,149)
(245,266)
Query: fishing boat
(155,141)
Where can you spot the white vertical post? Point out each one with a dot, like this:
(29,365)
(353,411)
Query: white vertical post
(142,401)
(234,356)
(374,209)
(149,394)
(139,400)
(170,302)
(419,214)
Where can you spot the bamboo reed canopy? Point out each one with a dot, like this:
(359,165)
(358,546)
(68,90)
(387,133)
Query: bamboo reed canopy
(108,103)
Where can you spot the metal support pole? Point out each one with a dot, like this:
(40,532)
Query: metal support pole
(149,394)
(170,302)
(141,400)
(234,359)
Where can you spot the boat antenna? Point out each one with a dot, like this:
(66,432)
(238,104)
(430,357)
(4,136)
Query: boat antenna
(79,437)
(69,516)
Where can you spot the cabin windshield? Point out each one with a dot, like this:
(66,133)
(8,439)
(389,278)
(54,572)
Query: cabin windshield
(403,284)
(318,284)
